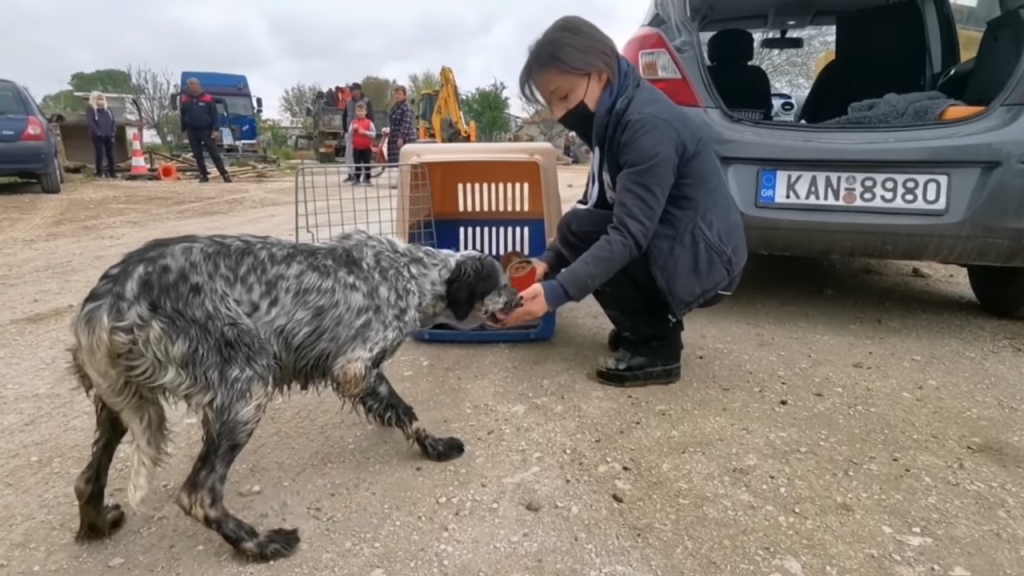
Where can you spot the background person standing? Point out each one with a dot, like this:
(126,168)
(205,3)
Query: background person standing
(200,123)
(356,89)
(102,128)
(402,122)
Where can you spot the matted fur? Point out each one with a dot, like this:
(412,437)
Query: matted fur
(223,322)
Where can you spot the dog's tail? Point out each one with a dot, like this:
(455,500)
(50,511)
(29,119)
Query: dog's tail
(106,361)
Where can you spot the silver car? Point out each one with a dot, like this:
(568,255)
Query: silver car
(908,143)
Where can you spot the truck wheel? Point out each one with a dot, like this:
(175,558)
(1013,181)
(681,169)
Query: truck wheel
(999,290)
(50,181)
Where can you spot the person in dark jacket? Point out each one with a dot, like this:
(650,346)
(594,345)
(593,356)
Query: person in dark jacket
(657,233)
(200,123)
(102,128)
(402,125)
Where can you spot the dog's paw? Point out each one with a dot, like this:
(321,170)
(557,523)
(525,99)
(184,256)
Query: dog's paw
(109,521)
(441,449)
(276,544)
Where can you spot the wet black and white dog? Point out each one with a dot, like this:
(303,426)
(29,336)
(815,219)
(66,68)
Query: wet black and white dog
(224,322)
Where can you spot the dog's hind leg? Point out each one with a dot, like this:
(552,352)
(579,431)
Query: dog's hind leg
(98,520)
(380,402)
(227,427)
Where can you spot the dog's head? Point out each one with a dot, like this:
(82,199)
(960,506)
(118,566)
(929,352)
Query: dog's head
(478,287)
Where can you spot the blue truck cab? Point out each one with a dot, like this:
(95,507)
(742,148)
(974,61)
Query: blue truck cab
(235,104)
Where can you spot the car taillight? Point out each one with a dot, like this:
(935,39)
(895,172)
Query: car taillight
(35,130)
(659,64)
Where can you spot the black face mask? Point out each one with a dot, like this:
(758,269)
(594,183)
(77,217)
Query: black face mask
(580,119)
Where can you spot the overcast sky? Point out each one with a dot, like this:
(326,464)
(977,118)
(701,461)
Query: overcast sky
(280,42)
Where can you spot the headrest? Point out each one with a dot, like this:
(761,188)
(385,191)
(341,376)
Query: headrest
(733,46)
(1009,5)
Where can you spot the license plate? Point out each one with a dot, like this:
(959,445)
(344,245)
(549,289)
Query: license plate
(853,191)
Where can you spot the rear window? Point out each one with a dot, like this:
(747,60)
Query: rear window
(791,71)
(972,17)
(10,100)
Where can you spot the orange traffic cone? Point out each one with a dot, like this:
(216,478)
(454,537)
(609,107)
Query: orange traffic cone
(139,169)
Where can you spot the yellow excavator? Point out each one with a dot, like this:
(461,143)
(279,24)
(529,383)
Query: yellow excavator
(440,113)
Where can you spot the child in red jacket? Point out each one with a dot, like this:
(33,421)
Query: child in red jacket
(363,133)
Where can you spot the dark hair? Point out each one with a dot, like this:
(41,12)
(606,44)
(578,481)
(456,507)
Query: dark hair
(356,86)
(360,106)
(572,45)
(401,89)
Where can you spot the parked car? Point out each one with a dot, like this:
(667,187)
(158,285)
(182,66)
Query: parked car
(945,188)
(28,143)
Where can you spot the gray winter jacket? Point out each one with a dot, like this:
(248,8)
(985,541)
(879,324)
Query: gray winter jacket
(669,199)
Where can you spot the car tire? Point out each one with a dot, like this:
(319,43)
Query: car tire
(51,181)
(999,289)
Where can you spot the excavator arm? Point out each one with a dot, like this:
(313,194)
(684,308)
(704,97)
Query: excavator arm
(440,113)
(448,121)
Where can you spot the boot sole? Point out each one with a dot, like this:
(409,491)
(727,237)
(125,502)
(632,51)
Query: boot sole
(660,376)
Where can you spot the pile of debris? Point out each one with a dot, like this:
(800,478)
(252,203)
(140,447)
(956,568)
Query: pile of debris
(185,165)
(186,168)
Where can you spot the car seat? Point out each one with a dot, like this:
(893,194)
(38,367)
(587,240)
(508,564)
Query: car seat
(999,53)
(741,86)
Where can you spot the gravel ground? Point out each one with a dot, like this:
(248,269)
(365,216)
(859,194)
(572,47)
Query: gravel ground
(836,418)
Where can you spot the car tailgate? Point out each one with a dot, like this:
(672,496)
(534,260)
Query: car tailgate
(12,126)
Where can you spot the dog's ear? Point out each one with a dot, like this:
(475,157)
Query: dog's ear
(472,279)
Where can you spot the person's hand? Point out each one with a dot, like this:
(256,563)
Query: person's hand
(542,269)
(534,306)
(215,134)
(401,142)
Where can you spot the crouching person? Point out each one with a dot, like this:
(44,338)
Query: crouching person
(657,233)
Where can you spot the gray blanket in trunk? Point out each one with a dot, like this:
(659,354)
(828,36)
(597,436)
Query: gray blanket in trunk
(895,109)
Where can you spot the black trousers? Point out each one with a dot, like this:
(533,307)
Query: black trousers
(362,159)
(631,299)
(200,140)
(103,146)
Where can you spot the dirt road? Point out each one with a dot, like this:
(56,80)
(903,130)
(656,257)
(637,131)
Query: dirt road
(835,419)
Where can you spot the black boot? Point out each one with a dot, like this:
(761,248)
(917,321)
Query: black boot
(614,340)
(624,369)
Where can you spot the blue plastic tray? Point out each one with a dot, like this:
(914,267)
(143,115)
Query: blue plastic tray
(496,238)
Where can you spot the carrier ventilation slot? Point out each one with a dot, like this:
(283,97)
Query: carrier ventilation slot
(494,196)
(495,240)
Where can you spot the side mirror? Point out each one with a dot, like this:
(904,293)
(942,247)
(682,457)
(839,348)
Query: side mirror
(259,103)
(56,118)
(174,101)
(309,112)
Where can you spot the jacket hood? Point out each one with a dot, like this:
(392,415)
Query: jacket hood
(94,100)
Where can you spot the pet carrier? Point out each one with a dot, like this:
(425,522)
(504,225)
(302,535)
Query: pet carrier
(494,198)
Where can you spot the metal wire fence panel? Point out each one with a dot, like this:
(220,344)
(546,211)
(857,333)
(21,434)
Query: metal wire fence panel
(389,200)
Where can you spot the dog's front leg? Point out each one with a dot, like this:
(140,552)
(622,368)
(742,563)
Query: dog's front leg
(380,402)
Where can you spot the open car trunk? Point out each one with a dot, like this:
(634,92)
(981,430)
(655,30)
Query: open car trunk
(893,65)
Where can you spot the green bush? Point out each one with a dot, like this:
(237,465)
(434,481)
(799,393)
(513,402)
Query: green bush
(283,153)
